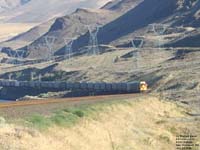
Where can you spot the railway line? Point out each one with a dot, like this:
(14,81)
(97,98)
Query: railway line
(66,100)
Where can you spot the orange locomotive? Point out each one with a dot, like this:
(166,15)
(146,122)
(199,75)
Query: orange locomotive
(143,86)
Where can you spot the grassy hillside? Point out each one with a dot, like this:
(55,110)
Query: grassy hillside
(133,124)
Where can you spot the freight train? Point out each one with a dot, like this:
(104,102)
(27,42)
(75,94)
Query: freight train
(122,87)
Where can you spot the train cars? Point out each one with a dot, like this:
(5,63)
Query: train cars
(121,87)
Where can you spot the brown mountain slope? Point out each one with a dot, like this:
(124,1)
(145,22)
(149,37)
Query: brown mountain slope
(74,25)
(137,18)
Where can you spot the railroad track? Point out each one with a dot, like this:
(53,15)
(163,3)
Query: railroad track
(64,100)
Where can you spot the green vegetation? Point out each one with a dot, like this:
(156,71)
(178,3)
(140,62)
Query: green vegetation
(69,116)
(160,122)
(57,75)
(60,118)
(39,121)
(18,75)
(164,138)
(173,130)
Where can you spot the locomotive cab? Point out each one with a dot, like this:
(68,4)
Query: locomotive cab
(143,86)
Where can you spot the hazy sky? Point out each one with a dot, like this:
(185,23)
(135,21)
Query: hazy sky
(89,3)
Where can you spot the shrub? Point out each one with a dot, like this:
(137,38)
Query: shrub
(39,122)
(79,113)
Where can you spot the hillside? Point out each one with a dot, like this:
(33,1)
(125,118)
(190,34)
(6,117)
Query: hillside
(10,30)
(115,32)
(37,11)
(115,125)
(74,25)
(79,117)
(121,5)
(137,18)
(37,14)
(24,38)
(155,65)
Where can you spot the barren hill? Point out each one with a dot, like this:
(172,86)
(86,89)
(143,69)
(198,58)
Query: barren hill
(40,11)
(121,5)
(74,25)
(29,36)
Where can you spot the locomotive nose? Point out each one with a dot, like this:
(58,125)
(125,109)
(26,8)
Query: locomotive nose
(143,86)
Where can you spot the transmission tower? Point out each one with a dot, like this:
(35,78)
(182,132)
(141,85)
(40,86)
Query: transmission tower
(20,54)
(40,78)
(10,77)
(137,44)
(50,41)
(159,30)
(68,48)
(93,48)
(33,76)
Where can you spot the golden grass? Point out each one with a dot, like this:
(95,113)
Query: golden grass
(143,124)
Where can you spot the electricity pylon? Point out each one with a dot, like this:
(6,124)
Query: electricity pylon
(40,78)
(50,41)
(10,77)
(17,54)
(33,76)
(68,48)
(93,47)
(137,44)
(159,30)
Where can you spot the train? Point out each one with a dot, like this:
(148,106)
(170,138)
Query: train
(122,87)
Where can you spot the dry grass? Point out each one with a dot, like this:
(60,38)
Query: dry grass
(146,123)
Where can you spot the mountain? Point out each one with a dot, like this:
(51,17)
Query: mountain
(188,14)
(137,18)
(29,36)
(120,21)
(187,17)
(168,71)
(121,5)
(74,25)
(169,12)
(37,11)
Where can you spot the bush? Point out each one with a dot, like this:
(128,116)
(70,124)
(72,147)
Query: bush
(164,138)
(66,119)
(79,113)
(39,122)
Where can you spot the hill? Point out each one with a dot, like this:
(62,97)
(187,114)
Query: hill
(109,125)
(37,11)
(124,20)
(75,25)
